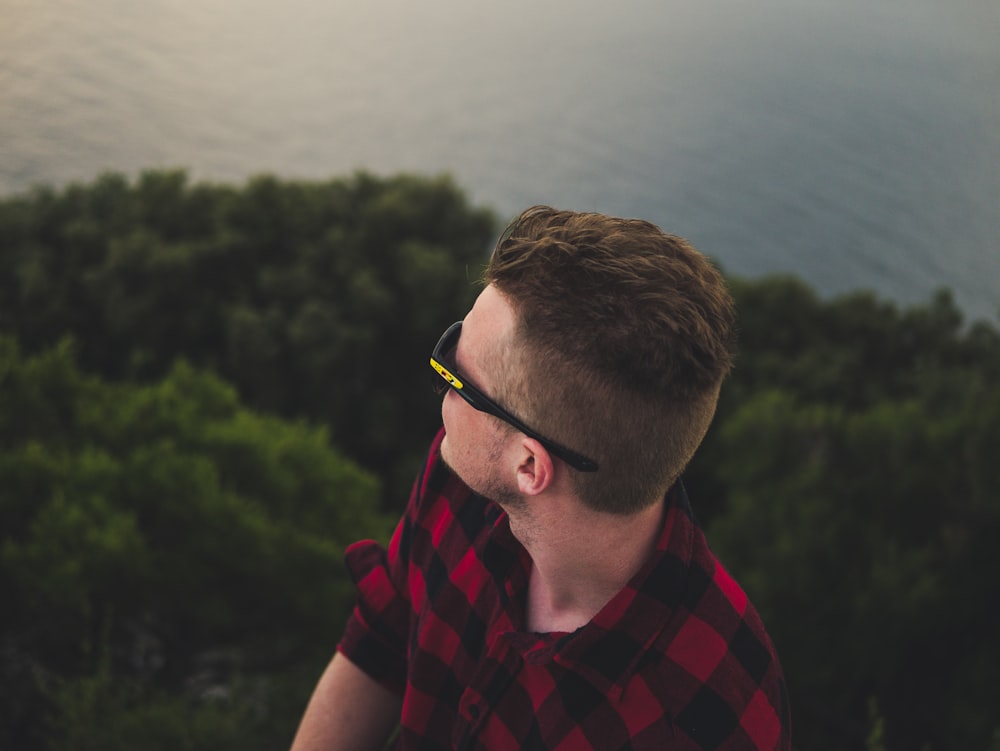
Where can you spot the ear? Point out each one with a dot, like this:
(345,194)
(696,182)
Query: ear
(536,470)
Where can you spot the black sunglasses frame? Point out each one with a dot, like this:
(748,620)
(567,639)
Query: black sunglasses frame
(479,401)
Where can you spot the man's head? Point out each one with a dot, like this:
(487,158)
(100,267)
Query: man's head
(619,340)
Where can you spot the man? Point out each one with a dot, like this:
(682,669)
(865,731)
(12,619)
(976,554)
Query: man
(547,587)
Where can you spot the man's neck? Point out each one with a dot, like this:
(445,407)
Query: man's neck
(580,559)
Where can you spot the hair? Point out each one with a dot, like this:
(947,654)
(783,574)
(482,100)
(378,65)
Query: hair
(623,337)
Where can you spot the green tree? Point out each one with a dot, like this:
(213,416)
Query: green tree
(848,482)
(317,300)
(171,556)
(164,554)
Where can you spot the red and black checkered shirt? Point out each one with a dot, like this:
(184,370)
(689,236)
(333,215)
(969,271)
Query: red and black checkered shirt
(678,659)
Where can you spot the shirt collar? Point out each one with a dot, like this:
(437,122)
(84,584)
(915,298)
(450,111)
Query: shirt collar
(607,651)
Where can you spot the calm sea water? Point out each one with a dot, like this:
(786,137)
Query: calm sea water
(856,144)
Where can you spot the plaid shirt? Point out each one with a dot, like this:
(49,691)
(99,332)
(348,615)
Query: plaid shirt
(678,659)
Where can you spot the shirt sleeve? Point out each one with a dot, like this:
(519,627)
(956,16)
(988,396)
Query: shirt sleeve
(377,632)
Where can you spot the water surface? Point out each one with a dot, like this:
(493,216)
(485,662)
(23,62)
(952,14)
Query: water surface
(856,144)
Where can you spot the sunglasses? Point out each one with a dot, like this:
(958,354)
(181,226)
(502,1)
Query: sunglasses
(441,362)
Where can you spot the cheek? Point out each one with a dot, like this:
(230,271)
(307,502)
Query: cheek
(455,446)
(448,408)
(455,423)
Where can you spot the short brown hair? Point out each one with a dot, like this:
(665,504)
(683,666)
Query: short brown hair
(624,335)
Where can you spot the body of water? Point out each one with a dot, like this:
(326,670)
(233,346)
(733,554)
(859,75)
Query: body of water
(855,144)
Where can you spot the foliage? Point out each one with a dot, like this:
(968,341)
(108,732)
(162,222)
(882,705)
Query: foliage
(861,505)
(163,551)
(316,300)
(170,556)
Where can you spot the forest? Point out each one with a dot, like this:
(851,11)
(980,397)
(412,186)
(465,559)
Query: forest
(207,391)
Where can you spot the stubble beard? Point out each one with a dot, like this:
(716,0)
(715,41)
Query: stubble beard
(489,483)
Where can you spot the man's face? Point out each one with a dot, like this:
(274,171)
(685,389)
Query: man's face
(475,444)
